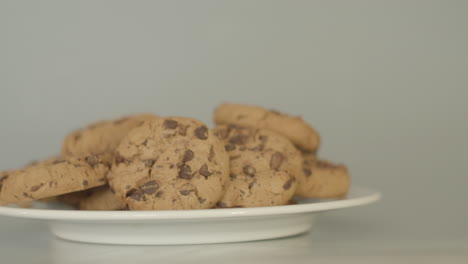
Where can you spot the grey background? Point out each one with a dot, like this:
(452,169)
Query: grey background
(384,82)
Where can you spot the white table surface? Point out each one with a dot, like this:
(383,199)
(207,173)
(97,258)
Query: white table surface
(347,236)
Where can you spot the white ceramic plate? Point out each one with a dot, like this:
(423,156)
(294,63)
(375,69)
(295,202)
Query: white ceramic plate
(187,226)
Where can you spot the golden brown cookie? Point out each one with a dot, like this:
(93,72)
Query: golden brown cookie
(97,199)
(101,137)
(322,179)
(169,164)
(59,177)
(297,130)
(263,167)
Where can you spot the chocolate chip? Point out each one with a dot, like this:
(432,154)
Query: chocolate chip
(232,176)
(221,205)
(36,187)
(229,147)
(276,160)
(188,156)
(136,195)
(183,130)
(234,157)
(238,139)
(204,171)
(288,184)
(4,177)
(149,187)
(211,155)
(58,161)
(84,183)
(93,161)
(159,194)
(221,133)
(249,170)
(149,163)
(145,143)
(77,136)
(185,192)
(201,132)
(252,184)
(171,166)
(307,172)
(118,158)
(185,172)
(201,200)
(170,124)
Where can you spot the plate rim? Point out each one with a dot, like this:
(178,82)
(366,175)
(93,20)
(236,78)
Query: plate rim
(364,196)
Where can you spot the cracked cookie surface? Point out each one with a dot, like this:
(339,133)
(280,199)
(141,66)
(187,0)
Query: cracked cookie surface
(170,163)
(263,167)
(294,128)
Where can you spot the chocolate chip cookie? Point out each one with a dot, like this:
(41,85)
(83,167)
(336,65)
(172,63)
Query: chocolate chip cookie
(299,132)
(101,137)
(264,166)
(322,179)
(169,164)
(51,179)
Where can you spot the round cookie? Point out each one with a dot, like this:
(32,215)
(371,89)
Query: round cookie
(322,179)
(170,163)
(263,167)
(97,199)
(294,128)
(59,177)
(101,137)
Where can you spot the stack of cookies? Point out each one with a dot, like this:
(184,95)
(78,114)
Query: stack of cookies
(253,157)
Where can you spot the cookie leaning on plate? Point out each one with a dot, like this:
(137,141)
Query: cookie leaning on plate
(322,179)
(169,164)
(51,179)
(294,128)
(101,137)
(263,169)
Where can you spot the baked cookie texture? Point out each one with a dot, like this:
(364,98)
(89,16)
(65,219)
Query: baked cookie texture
(96,199)
(101,137)
(295,129)
(322,179)
(170,163)
(55,178)
(263,167)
